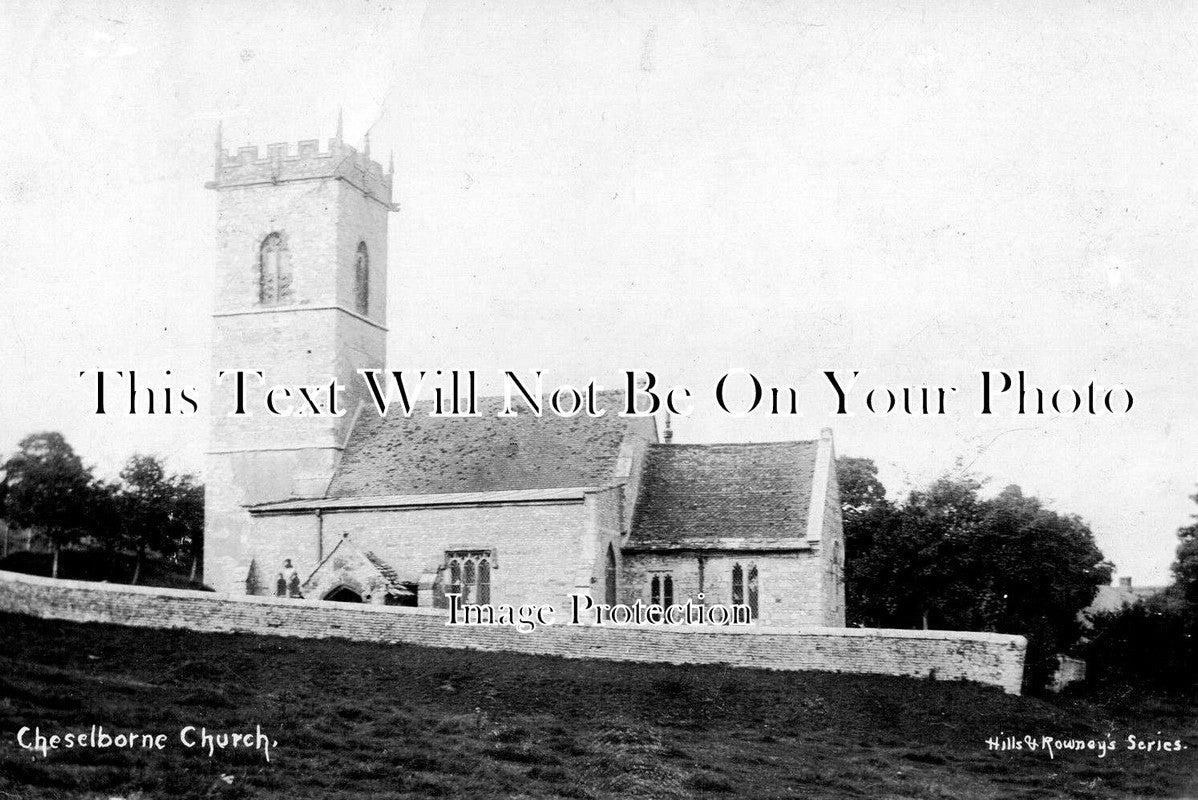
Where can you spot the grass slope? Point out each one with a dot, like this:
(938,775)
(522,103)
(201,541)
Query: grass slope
(360,721)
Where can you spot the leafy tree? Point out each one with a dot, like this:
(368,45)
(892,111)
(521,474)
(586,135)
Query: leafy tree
(48,489)
(1148,644)
(1036,570)
(860,489)
(158,513)
(945,557)
(1185,568)
(867,515)
(189,510)
(106,532)
(1154,642)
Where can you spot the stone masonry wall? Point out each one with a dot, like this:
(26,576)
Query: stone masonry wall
(314,338)
(832,549)
(534,547)
(790,585)
(986,658)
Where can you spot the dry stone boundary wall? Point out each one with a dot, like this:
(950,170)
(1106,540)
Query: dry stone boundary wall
(988,658)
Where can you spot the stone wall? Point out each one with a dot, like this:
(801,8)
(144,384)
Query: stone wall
(987,658)
(831,544)
(791,586)
(535,546)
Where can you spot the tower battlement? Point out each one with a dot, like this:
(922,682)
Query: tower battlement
(282,163)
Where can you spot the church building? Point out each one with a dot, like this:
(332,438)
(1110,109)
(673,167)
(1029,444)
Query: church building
(401,510)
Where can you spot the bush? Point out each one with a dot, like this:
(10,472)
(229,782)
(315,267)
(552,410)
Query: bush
(1147,645)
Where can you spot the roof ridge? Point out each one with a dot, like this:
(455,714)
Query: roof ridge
(431,400)
(706,445)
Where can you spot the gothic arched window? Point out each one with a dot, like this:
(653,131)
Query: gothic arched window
(667,591)
(469,583)
(744,588)
(610,594)
(470,574)
(751,590)
(655,591)
(362,280)
(274,271)
(484,581)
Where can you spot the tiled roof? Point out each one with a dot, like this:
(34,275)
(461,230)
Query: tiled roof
(1113,598)
(397,455)
(349,553)
(394,584)
(725,497)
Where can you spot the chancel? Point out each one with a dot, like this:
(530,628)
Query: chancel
(514,510)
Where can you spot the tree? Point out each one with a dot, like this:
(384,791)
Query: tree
(1154,642)
(1185,567)
(1036,571)
(1148,644)
(907,563)
(867,515)
(945,557)
(189,511)
(47,488)
(860,489)
(158,513)
(106,533)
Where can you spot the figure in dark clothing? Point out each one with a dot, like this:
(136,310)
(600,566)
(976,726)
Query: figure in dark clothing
(293,581)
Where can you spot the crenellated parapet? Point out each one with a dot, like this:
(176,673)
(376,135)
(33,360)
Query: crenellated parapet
(306,161)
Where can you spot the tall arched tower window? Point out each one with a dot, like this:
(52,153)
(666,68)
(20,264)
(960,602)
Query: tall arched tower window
(362,280)
(274,271)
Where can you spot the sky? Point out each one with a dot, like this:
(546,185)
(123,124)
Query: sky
(918,192)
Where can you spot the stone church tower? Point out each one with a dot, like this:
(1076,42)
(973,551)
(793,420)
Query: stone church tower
(301,295)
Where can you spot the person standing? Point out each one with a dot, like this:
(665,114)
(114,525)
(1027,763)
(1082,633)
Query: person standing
(291,575)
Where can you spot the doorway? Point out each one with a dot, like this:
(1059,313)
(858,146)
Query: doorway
(343,594)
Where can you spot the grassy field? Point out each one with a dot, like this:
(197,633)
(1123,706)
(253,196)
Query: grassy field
(364,721)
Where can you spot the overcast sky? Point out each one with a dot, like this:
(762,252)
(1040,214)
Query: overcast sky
(917,193)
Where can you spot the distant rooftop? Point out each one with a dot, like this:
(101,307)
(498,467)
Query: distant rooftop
(1123,593)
